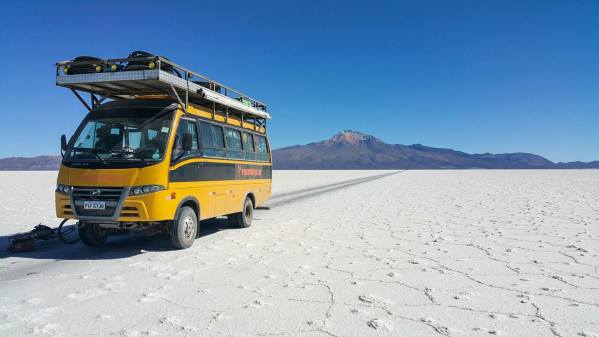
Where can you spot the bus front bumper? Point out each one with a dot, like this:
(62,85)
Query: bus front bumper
(157,206)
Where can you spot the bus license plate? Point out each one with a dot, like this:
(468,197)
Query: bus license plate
(94,205)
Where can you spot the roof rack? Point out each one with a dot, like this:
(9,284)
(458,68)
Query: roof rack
(132,77)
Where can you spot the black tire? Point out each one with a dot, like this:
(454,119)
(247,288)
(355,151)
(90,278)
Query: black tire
(67,235)
(184,229)
(85,68)
(243,219)
(92,234)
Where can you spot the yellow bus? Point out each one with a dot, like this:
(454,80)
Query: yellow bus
(159,164)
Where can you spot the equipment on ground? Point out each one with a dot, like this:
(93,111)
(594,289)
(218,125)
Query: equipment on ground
(25,242)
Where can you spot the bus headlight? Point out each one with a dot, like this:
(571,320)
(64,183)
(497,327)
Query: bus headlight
(63,189)
(145,189)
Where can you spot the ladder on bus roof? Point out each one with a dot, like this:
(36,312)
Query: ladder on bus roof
(127,78)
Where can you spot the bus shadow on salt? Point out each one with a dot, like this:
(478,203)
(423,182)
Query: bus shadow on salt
(117,246)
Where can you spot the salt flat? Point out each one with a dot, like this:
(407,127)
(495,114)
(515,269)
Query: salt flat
(416,253)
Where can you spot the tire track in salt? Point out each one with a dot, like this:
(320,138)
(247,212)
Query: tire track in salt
(290,197)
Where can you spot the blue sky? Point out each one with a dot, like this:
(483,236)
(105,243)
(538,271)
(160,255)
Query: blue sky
(477,76)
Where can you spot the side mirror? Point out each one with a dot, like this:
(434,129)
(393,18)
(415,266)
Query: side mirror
(63,144)
(187,142)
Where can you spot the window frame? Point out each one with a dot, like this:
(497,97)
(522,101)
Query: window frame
(222,127)
(267,152)
(234,154)
(107,110)
(249,155)
(191,154)
(211,147)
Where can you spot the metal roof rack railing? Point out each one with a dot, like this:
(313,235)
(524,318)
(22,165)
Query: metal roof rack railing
(125,78)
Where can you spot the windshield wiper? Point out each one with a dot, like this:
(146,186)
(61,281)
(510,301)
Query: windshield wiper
(92,151)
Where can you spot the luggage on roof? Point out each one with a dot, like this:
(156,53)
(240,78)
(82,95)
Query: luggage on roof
(143,74)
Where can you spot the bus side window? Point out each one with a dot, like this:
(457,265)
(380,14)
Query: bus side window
(213,144)
(185,127)
(234,148)
(219,139)
(248,146)
(261,148)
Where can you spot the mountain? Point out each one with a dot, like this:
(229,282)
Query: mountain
(40,163)
(354,150)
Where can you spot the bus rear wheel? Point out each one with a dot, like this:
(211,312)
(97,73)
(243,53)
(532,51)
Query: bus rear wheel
(184,229)
(92,234)
(243,219)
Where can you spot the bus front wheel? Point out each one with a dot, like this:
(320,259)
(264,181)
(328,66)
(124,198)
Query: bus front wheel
(184,229)
(243,219)
(92,234)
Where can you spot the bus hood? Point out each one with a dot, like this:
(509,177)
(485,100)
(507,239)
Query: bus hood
(112,177)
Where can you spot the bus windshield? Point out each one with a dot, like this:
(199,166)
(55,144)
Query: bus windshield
(121,135)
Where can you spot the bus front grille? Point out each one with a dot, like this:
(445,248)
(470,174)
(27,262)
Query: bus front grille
(111,197)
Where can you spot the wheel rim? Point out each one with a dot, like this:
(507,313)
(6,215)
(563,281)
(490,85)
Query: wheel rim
(188,229)
(247,213)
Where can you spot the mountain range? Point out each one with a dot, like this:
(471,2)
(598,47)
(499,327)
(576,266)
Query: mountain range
(354,150)
(39,163)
